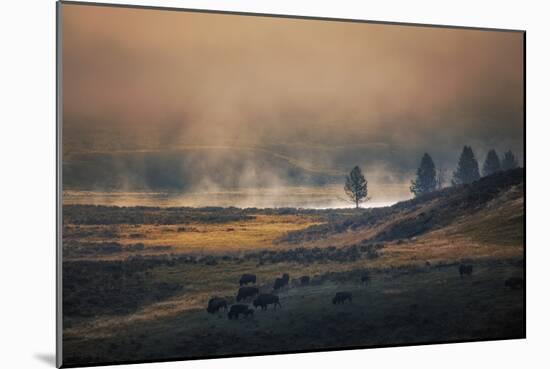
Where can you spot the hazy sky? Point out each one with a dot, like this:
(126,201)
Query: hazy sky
(136,78)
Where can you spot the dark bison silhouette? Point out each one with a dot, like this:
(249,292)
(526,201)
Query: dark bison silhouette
(215,304)
(247,278)
(514,283)
(238,309)
(265,299)
(246,292)
(465,269)
(281,282)
(365,277)
(304,280)
(341,297)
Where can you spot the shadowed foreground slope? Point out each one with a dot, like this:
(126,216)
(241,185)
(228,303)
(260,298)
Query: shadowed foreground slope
(141,306)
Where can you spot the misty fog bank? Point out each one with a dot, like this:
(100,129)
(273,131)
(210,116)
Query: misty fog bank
(319,197)
(175,108)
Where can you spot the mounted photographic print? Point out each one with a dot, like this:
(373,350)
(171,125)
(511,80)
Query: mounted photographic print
(245,184)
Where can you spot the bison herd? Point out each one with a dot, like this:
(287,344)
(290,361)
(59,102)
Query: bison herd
(262,300)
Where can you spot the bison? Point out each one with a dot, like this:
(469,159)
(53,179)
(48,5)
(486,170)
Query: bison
(341,297)
(246,292)
(365,278)
(238,309)
(465,269)
(514,283)
(215,304)
(281,282)
(247,278)
(266,299)
(304,280)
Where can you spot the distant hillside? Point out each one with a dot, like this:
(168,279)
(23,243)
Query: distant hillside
(490,210)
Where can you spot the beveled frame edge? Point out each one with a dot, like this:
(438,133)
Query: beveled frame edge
(287,16)
(59,187)
(59,177)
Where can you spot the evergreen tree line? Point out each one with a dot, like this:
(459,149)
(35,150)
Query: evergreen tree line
(467,171)
(429,179)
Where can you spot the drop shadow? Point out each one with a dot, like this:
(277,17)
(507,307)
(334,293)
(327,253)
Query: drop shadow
(46,358)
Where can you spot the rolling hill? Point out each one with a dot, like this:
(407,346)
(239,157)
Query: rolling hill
(489,211)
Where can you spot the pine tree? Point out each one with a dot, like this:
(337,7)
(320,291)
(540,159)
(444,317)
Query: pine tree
(356,186)
(468,168)
(509,161)
(492,163)
(425,177)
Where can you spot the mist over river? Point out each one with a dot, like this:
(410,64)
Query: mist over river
(316,197)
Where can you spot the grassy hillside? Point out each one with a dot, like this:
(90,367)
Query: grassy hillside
(486,210)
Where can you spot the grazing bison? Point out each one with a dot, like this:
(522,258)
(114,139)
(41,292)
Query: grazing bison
(365,277)
(281,282)
(247,278)
(236,310)
(304,280)
(341,297)
(465,269)
(246,292)
(249,312)
(266,299)
(215,304)
(514,283)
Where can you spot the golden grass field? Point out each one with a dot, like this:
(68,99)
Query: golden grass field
(254,234)
(260,233)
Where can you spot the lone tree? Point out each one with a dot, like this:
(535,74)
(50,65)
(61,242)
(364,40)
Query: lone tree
(509,161)
(426,180)
(356,186)
(468,169)
(492,163)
